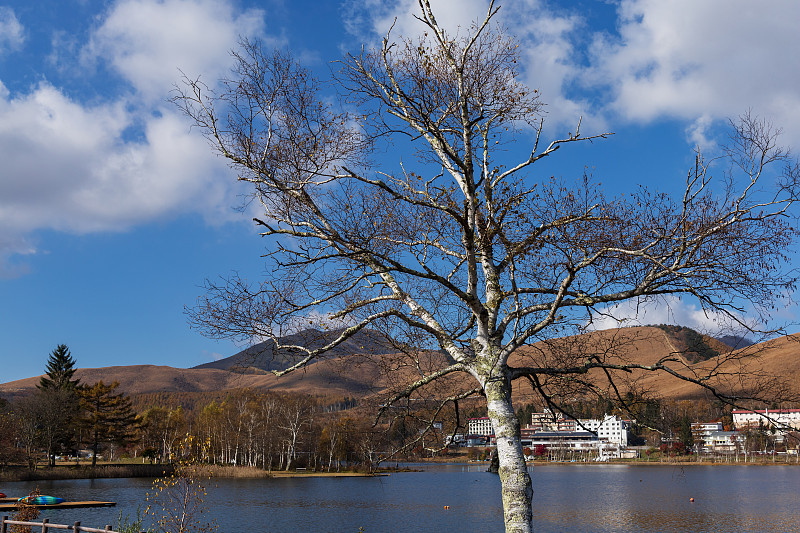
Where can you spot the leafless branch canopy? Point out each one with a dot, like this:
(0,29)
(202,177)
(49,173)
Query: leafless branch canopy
(468,246)
(462,244)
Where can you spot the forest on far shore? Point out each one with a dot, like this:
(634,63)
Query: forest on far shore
(67,420)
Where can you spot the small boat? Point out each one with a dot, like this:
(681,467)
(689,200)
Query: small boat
(41,500)
(2,494)
(49,502)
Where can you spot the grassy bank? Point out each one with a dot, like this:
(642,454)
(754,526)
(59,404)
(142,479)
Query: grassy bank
(129,470)
(84,472)
(159,470)
(218,471)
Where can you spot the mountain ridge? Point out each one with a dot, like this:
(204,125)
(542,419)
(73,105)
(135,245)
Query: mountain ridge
(263,356)
(361,375)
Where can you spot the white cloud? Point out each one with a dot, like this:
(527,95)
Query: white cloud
(667,310)
(12,249)
(547,39)
(150,41)
(715,59)
(49,146)
(206,356)
(701,62)
(106,166)
(12,33)
(698,132)
(80,167)
(550,59)
(71,169)
(369,20)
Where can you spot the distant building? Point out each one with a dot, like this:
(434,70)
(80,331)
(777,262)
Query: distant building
(725,442)
(478,440)
(701,433)
(575,440)
(480,426)
(610,429)
(549,421)
(781,419)
(572,441)
(555,431)
(455,440)
(608,436)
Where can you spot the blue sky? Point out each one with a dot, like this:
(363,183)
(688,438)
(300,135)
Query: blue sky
(112,212)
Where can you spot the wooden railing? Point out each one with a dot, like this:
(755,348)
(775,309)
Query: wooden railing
(46,525)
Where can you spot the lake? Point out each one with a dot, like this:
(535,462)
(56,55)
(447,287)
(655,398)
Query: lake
(574,498)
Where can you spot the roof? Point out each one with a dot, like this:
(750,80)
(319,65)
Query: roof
(765,411)
(564,434)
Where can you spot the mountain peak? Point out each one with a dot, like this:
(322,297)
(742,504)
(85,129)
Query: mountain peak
(264,356)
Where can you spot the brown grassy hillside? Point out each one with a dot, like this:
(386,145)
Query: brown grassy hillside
(138,379)
(774,365)
(771,365)
(361,376)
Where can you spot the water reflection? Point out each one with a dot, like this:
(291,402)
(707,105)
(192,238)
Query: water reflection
(656,499)
(575,498)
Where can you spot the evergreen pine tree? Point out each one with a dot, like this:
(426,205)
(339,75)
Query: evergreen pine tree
(107,415)
(60,368)
(686,436)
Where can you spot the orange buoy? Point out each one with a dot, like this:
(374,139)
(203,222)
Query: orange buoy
(691,499)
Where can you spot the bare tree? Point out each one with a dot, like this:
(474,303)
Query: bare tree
(458,249)
(161,428)
(295,413)
(27,413)
(11,436)
(49,413)
(269,407)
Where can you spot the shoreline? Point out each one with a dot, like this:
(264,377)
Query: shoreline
(629,462)
(63,472)
(331,474)
(110,471)
(660,463)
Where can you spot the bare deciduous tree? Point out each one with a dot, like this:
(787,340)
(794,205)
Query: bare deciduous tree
(296,412)
(460,247)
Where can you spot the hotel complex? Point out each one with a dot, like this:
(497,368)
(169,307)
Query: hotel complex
(781,419)
(608,436)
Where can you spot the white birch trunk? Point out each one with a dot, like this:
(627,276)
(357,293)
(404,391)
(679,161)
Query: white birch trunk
(516,482)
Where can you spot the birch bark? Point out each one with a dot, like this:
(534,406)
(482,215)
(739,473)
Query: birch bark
(516,481)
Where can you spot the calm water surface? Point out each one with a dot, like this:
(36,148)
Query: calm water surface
(568,498)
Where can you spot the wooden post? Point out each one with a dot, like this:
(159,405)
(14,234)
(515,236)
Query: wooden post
(3,525)
(44,525)
(76,528)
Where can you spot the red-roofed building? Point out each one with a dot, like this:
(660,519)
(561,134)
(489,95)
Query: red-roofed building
(781,419)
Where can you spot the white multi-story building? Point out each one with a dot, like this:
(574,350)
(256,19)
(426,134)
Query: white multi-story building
(702,431)
(480,426)
(549,421)
(702,428)
(725,442)
(572,441)
(610,429)
(779,418)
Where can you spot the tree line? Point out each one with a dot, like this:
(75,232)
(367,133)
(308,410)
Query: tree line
(268,430)
(64,416)
(279,431)
(264,430)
